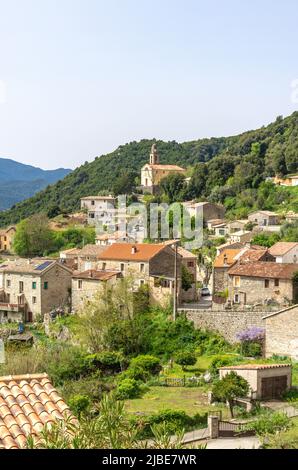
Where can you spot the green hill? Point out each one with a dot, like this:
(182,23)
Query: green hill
(233,165)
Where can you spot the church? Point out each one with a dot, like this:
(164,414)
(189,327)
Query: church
(153,172)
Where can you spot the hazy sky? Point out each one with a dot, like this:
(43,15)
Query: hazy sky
(78,78)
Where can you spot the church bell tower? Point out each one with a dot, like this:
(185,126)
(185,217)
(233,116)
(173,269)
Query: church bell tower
(154,157)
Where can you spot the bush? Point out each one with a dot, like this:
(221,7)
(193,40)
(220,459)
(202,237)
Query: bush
(185,358)
(79,404)
(221,361)
(270,424)
(107,361)
(128,388)
(175,421)
(251,349)
(149,363)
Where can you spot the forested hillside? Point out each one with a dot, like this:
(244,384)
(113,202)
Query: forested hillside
(221,168)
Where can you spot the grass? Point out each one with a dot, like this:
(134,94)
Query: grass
(190,400)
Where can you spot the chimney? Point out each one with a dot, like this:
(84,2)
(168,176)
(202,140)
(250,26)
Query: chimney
(133,250)
(225,261)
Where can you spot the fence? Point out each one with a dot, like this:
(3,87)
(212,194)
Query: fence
(179,381)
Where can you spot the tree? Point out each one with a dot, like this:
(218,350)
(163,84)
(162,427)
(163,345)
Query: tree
(33,236)
(125,183)
(185,358)
(187,278)
(173,186)
(230,387)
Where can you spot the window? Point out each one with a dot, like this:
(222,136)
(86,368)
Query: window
(80,284)
(21,287)
(45,285)
(33,285)
(236,299)
(236,280)
(190,264)
(122,267)
(8,298)
(92,203)
(142,282)
(34,300)
(276,282)
(142,267)
(267,283)
(8,283)
(104,265)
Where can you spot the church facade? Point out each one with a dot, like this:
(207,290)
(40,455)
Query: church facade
(153,172)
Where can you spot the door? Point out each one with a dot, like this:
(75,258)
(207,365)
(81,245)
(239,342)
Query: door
(273,387)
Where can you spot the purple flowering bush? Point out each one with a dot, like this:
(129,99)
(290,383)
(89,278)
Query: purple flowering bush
(252,341)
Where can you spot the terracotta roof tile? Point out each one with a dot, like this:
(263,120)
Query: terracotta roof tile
(281,248)
(132,251)
(95,275)
(255,366)
(226,258)
(27,403)
(264,269)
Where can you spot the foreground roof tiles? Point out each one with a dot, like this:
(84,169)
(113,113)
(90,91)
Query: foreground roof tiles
(27,404)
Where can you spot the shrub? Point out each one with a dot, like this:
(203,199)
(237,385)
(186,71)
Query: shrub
(128,388)
(149,363)
(221,361)
(185,358)
(107,361)
(251,349)
(79,404)
(270,424)
(174,420)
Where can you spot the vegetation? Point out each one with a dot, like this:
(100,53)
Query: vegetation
(231,386)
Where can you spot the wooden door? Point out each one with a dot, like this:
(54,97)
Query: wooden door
(273,387)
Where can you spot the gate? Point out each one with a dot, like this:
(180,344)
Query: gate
(229,429)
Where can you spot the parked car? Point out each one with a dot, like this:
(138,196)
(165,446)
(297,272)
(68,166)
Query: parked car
(205,292)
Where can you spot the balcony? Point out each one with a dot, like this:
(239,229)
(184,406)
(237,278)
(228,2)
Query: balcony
(13,308)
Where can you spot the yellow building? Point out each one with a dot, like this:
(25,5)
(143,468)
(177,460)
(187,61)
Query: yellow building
(153,172)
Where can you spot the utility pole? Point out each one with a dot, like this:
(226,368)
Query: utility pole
(175,282)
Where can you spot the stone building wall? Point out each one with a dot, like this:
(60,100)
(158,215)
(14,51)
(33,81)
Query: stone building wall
(282,333)
(226,323)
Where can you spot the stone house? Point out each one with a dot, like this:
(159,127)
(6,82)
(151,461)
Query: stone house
(264,218)
(29,288)
(87,284)
(208,210)
(221,266)
(189,261)
(88,257)
(99,209)
(263,283)
(220,230)
(285,252)
(6,238)
(107,239)
(266,381)
(151,264)
(242,236)
(237,225)
(153,172)
(282,333)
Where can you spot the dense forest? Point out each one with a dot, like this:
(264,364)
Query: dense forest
(229,170)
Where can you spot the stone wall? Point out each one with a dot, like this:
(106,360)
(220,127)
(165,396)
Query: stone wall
(226,323)
(282,333)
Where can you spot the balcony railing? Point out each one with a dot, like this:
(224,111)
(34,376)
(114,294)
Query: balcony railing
(14,308)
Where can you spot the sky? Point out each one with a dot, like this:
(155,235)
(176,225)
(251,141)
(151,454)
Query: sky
(78,78)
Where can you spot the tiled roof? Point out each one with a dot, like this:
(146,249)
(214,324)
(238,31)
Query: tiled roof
(185,253)
(226,258)
(255,255)
(27,266)
(281,248)
(131,251)
(167,167)
(93,274)
(98,198)
(112,236)
(269,213)
(255,366)
(231,246)
(27,404)
(264,269)
(92,250)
